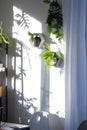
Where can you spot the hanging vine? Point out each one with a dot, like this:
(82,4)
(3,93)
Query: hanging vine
(54,19)
(54,23)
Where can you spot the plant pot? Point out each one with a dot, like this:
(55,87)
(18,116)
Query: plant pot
(37,41)
(54,62)
(59,64)
(2,91)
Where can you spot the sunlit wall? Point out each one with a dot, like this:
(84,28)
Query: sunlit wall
(26,73)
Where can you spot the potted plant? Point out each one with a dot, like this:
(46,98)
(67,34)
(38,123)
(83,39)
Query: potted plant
(2,91)
(54,19)
(51,58)
(36,39)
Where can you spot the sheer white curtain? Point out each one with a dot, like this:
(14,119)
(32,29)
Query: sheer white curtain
(74,12)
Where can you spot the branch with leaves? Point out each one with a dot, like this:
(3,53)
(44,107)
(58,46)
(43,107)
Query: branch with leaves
(3,37)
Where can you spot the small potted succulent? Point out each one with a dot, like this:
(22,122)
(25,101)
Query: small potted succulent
(35,39)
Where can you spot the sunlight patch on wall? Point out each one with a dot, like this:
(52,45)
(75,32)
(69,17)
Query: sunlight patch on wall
(22,23)
(57,96)
(57,88)
(28,67)
(28,63)
(35,26)
(32,79)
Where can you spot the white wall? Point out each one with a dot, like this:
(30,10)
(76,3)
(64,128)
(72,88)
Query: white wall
(38,10)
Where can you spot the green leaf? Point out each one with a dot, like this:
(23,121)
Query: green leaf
(6,39)
(32,35)
(0,40)
(49,29)
(46,1)
(3,37)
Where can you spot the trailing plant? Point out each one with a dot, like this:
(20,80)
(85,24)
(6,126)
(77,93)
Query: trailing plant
(50,56)
(54,19)
(3,37)
(54,23)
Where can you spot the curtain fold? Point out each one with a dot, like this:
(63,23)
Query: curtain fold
(74,15)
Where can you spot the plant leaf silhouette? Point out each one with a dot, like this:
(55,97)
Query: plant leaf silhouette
(22,20)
